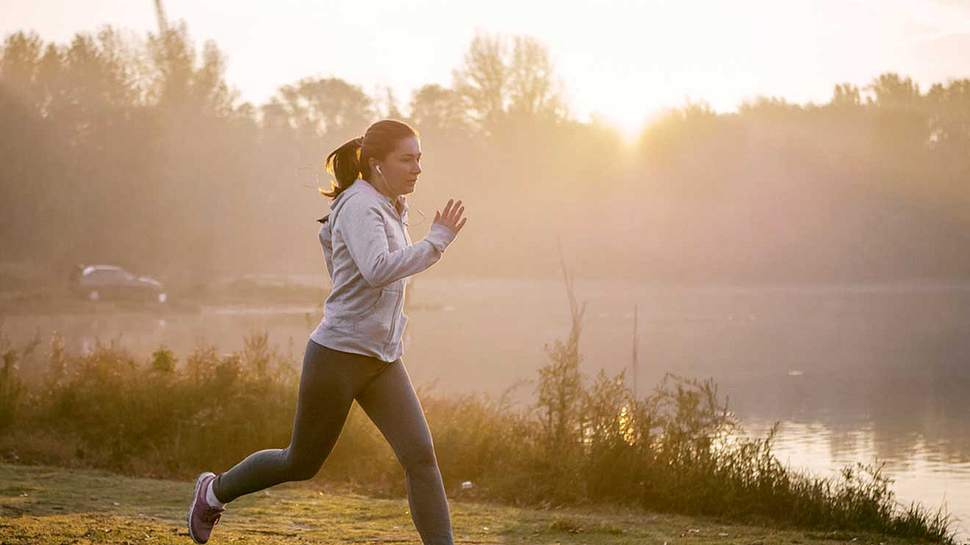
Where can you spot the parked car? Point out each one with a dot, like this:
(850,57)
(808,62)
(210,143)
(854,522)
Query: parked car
(99,282)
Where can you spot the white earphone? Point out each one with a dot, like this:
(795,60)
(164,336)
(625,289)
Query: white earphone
(379,171)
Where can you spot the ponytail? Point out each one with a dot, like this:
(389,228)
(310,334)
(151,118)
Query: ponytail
(349,161)
(343,164)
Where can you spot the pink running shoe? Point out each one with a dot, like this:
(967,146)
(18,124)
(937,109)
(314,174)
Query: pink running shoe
(202,517)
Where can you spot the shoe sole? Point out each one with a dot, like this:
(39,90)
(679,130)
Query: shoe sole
(195,496)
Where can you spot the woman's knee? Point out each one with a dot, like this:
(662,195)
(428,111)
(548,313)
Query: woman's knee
(419,456)
(302,467)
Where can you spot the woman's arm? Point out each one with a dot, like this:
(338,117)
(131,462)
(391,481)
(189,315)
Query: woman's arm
(361,226)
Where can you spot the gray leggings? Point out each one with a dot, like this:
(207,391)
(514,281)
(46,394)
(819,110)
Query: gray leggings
(330,382)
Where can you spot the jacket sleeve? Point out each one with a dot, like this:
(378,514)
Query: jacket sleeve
(361,227)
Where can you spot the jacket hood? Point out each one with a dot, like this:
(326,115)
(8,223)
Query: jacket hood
(339,200)
(359,185)
(335,206)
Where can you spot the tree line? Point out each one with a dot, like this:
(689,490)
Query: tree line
(135,150)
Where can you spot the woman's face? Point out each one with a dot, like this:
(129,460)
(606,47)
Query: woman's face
(401,167)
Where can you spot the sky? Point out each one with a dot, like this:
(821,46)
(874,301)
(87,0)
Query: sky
(621,61)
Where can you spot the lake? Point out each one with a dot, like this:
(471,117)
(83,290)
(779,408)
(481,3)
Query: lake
(854,373)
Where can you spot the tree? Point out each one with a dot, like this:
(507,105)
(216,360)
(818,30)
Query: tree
(483,79)
(499,84)
(182,84)
(20,68)
(679,132)
(950,117)
(533,89)
(437,109)
(902,123)
(325,106)
(893,91)
(845,95)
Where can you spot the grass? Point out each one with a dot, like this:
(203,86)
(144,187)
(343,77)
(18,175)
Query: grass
(42,505)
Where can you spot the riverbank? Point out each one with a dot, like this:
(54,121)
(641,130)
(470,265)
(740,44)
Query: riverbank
(43,505)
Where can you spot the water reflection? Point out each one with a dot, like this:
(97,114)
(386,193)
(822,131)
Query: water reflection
(918,465)
(901,415)
(914,423)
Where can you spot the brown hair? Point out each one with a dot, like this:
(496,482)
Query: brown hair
(349,161)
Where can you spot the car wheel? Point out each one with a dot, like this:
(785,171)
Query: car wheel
(93,295)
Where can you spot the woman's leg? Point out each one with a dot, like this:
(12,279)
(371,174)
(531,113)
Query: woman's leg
(327,385)
(389,400)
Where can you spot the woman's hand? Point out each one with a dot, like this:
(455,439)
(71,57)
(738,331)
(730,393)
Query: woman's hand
(449,218)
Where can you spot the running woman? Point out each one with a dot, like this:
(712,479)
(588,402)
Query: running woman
(355,352)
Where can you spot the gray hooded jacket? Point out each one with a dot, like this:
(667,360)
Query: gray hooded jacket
(369,255)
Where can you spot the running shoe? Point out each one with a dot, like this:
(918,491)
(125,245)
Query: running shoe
(202,517)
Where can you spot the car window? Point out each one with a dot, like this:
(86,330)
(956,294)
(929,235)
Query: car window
(109,275)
